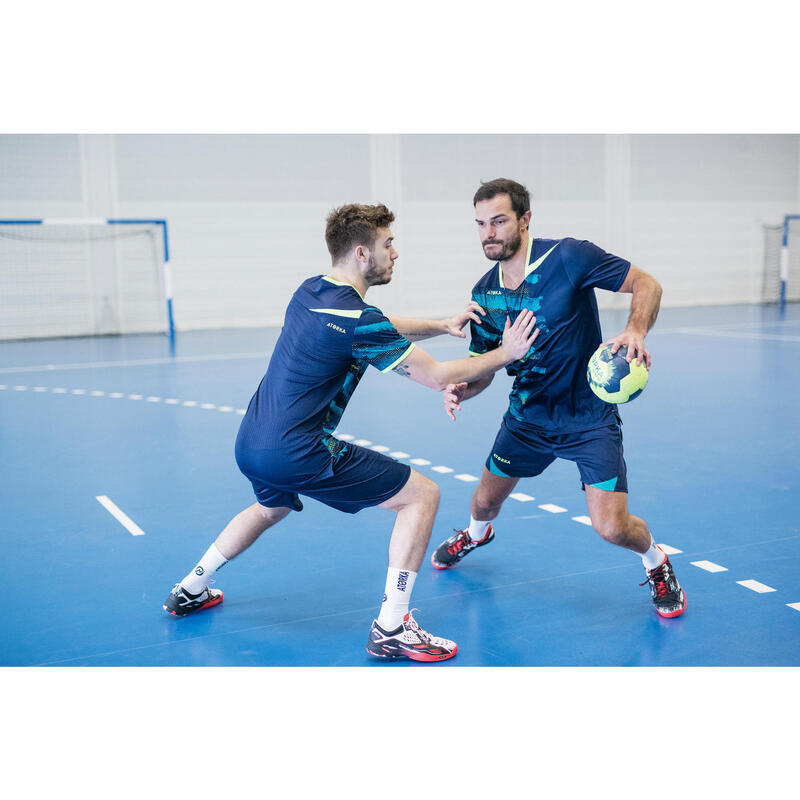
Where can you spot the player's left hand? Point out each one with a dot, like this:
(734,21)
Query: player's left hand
(453,325)
(634,341)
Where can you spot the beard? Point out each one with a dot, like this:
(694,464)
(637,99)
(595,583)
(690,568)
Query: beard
(374,275)
(509,248)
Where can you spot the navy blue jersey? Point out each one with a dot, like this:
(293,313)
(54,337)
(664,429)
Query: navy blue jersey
(329,337)
(550,389)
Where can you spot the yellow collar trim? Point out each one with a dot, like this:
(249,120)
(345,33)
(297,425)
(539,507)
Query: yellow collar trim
(341,283)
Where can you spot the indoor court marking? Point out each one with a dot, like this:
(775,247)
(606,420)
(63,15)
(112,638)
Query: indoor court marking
(116,418)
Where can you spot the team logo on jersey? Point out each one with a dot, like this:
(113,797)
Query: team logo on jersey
(336,328)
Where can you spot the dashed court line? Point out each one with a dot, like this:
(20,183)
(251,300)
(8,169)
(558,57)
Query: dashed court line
(135,530)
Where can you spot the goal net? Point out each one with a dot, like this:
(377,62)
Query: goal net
(781,275)
(81,277)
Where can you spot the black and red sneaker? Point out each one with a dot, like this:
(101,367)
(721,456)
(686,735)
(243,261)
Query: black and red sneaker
(668,597)
(181,602)
(408,641)
(452,550)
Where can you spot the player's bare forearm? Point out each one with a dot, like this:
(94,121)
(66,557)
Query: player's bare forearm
(476,387)
(517,341)
(417,329)
(645,303)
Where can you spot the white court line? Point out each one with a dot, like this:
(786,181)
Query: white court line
(345,437)
(190,402)
(764,337)
(755,586)
(61,390)
(240,411)
(465,477)
(208,405)
(119,515)
(135,397)
(153,399)
(225,408)
(584,520)
(131,363)
(97,393)
(362,442)
(670,551)
(380,448)
(399,454)
(709,566)
(521,496)
(553,509)
(443,470)
(20,388)
(795,606)
(420,462)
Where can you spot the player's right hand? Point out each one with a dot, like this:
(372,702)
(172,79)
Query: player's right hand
(518,338)
(453,394)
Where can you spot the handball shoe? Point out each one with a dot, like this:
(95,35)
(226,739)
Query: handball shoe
(408,641)
(668,597)
(452,550)
(181,602)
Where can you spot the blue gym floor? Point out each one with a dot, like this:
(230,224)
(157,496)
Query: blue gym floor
(713,466)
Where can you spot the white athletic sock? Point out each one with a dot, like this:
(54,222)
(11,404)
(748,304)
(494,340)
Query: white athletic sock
(399,583)
(477,529)
(654,556)
(198,578)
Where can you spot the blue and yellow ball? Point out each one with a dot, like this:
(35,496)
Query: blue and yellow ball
(612,378)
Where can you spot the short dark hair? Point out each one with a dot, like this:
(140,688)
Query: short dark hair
(520,198)
(354,224)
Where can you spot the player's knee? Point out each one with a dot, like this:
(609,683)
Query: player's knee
(487,507)
(432,493)
(612,528)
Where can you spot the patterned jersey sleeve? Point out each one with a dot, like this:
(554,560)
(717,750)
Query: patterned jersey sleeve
(484,337)
(589,266)
(377,341)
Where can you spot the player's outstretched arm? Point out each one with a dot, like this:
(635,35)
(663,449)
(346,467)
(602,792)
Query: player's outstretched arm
(417,329)
(646,300)
(517,341)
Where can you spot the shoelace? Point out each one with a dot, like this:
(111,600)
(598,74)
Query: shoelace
(412,623)
(659,580)
(458,543)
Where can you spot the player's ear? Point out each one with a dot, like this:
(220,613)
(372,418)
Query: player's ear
(526,218)
(361,252)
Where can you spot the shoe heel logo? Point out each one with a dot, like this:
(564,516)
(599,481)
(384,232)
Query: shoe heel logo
(199,571)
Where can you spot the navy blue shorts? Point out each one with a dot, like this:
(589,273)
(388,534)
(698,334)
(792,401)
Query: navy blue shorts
(520,452)
(356,478)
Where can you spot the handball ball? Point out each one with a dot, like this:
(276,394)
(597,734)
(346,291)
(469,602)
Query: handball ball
(612,378)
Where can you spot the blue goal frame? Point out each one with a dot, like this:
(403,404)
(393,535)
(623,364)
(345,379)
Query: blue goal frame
(785,257)
(105,221)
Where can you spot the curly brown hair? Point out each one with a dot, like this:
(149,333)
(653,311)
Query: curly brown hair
(354,224)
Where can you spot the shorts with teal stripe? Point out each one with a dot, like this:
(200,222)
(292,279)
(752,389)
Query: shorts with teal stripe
(523,452)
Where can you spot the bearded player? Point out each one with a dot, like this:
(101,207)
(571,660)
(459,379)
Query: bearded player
(287,445)
(552,412)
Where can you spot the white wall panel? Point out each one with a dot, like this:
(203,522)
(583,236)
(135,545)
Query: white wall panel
(247,212)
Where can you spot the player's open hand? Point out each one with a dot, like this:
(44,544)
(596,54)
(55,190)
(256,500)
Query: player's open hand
(634,341)
(519,337)
(454,325)
(452,395)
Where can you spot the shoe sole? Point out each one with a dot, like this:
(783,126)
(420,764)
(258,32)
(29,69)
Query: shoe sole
(424,657)
(442,566)
(673,614)
(215,601)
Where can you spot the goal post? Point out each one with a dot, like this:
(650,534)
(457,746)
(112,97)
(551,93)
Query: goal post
(78,276)
(790,222)
(781,273)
